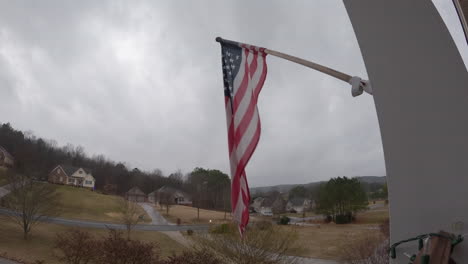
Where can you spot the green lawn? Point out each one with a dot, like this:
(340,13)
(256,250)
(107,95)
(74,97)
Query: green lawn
(81,203)
(40,244)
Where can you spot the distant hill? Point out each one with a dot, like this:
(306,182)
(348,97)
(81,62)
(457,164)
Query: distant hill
(373,179)
(284,188)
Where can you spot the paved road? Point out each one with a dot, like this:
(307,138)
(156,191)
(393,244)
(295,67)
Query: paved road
(95,224)
(7,261)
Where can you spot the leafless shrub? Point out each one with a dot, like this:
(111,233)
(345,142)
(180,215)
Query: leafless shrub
(370,249)
(75,247)
(114,249)
(79,247)
(268,246)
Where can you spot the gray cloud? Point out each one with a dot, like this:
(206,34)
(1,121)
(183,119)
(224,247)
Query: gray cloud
(140,81)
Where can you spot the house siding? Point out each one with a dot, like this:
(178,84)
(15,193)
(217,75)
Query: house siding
(136,195)
(58,176)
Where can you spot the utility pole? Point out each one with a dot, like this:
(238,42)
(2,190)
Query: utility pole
(198,202)
(224,202)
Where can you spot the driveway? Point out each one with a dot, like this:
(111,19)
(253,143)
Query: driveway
(158,219)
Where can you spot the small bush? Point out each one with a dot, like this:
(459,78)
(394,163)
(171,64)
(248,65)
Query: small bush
(284,220)
(369,249)
(273,246)
(78,247)
(115,249)
(75,247)
(190,232)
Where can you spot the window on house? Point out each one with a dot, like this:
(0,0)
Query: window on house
(71,180)
(80,172)
(88,182)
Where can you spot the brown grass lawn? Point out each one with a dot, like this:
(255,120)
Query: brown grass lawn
(40,244)
(188,215)
(81,203)
(329,240)
(377,216)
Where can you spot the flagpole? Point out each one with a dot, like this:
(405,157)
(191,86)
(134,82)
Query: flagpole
(358,84)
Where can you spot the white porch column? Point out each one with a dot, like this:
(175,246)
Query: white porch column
(420,87)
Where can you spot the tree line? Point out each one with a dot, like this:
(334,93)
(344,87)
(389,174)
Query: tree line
(36,157)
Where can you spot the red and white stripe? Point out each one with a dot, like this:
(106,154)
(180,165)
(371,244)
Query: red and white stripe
(243,123)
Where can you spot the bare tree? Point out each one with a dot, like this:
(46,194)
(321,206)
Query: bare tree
(129,214)
(166,200)
(30,202)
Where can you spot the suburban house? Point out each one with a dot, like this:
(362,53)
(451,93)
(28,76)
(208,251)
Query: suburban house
(256,204)
(6,159)
(69,175)
(269,205)
(135,195)
(176,196)
(298,205)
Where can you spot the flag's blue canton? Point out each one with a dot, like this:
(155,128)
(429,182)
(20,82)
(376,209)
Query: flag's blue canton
(231,56)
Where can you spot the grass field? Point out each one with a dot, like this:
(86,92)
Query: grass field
(188,215)
(328,240)
(40,244)
(372,216)
(81,203)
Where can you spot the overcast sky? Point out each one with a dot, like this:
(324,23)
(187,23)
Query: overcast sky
(141,82)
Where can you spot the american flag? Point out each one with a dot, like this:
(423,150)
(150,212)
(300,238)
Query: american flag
(244,72)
